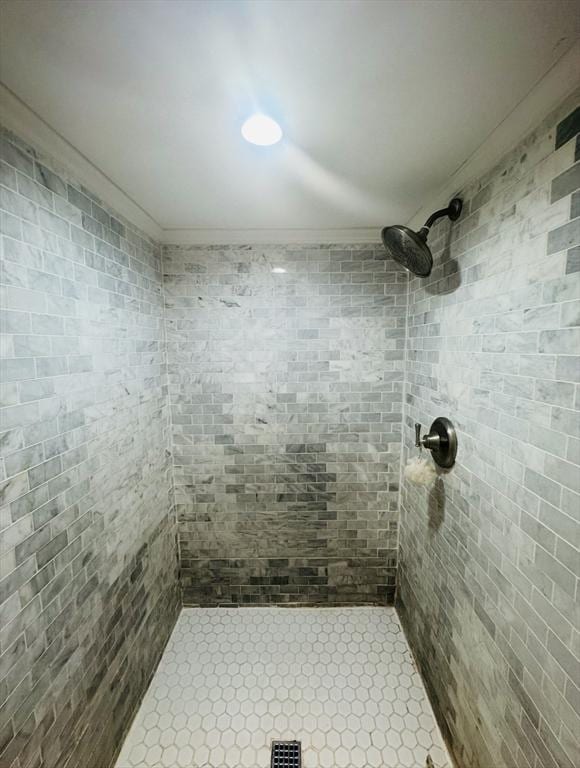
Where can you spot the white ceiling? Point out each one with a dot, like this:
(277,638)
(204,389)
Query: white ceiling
(380,101)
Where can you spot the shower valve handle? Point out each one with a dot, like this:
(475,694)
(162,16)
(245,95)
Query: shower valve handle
(432,441)
(441,441)
(417,435)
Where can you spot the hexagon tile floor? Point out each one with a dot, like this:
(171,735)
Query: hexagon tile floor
(340,680)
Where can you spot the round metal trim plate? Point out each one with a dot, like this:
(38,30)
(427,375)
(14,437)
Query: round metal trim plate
(444,455)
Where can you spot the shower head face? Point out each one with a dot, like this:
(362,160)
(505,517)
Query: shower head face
(409,249)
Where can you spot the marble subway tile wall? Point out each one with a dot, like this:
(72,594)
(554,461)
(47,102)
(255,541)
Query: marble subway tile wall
(88,566)
(285,375)
(489,556)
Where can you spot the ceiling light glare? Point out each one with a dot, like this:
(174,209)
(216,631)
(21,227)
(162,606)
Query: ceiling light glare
(278,270)
(261,130)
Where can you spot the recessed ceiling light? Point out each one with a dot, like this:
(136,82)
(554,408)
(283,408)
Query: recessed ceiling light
(261,130)
(278,270)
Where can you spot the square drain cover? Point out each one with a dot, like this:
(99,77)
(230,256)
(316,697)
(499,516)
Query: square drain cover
(286,754)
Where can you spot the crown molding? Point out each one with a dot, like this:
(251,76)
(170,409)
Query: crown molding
(550,91)
(271,236)
(25,123)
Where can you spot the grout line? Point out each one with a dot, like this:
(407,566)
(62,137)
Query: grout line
(402,444)
(170,424)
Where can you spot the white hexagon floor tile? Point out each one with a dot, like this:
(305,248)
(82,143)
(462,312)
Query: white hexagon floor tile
(340,680)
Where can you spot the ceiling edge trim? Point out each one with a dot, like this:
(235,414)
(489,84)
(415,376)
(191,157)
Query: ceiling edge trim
(271,236)
(549,92)
(25,123)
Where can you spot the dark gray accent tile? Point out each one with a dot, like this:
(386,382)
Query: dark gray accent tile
(50,180)
(573,260)
(565,237)
(575,205)
(568,128)
(566,183)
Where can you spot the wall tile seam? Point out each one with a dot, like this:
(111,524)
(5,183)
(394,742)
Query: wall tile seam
(403,425)
(170,406)
(153,528)
(416,344)
(544,645)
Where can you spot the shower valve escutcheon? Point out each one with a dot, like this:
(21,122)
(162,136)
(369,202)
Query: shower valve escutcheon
(441,441)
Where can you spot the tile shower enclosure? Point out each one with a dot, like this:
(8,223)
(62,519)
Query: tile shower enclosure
(285,371)
(258,417)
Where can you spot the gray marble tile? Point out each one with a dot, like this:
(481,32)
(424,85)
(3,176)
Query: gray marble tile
(88,572)
(286,401)
(514,489)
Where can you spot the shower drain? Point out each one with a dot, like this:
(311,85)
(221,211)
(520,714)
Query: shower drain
(286,754)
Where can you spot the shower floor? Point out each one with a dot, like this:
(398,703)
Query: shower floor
(340,680)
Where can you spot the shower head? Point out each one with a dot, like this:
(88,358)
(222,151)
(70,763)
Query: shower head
(409,248)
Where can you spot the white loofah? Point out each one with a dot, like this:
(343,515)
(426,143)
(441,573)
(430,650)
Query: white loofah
(420,471)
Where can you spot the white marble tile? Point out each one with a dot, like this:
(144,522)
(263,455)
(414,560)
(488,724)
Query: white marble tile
(340,680)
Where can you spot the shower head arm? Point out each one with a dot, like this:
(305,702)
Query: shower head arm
(453,210)
(434,217)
